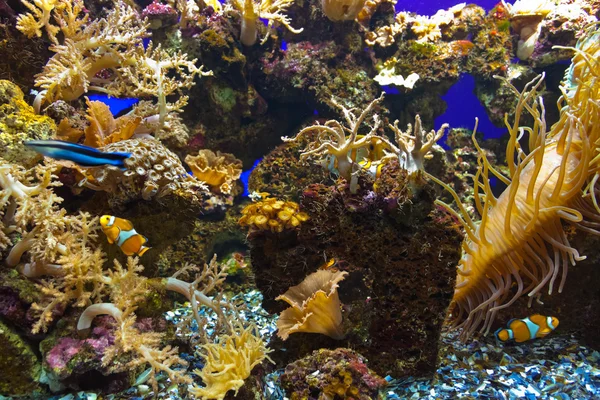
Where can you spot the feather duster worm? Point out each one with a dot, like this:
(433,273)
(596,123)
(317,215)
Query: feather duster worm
(519,246)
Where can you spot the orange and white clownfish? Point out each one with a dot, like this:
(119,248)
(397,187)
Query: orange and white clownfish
(121,232)
(521,330)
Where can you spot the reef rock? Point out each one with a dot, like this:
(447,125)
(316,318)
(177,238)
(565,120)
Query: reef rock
(400,252)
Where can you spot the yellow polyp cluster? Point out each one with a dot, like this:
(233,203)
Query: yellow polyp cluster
(273,215)
(341,386)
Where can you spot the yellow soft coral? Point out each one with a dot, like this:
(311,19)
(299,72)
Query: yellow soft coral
(272,214)
(217,170)
(315,306)
(229,361)
(66,16)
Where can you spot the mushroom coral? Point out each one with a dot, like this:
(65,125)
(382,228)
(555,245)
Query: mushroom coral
(272,214)
(315,306)
(520,246)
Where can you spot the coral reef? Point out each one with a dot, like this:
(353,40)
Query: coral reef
(19,122)
(333,374)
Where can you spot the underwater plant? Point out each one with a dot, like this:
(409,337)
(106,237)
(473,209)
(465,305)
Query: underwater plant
(520,246)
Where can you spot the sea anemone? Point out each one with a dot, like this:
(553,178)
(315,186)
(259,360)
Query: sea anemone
(519,246)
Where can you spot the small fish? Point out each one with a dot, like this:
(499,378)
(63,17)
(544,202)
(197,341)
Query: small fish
(84,156)
(121,232)
(521,330)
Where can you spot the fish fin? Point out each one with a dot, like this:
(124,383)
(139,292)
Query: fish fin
(502,334)
(143,250)
(111,236)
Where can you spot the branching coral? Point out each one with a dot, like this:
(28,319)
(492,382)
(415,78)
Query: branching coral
(315,306)
(339,141)
(272,214)
(127,289)
(520,246)
(66,15)
(271,10)
(217,170)
(414,149)
(52,242)
(229,361)
(107,55)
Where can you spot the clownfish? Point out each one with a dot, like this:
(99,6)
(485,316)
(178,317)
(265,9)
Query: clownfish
(84,156)
(121,232)
(521,330)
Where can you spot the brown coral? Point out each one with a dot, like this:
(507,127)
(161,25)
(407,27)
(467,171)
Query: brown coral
(315,306)
(272,214)
(217,170)
(152,170)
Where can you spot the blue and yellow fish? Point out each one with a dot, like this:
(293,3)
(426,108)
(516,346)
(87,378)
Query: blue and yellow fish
(79,154)
(521,330)
(121,232)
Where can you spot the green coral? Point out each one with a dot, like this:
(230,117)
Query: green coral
(20,368)
(18,123)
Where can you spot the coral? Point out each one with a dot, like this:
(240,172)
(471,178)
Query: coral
(20,368)
(228,362)
(332,374)
(271,10)
(65,15)
(315,306)
(342,10)
(107,55)
(522,228)
(526,18)
(18,123)
(218,170)
(51,243)
(160,15)
(273,215)
(152,171)
(102,128)
(398,289)
(331,140)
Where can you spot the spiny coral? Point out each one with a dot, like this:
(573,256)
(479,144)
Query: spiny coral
(151,171)
(19,122)
(520,240)
(52,243)
(272,214)
(315,306)
(218,170)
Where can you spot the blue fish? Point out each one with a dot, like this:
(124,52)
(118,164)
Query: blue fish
(79,154)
